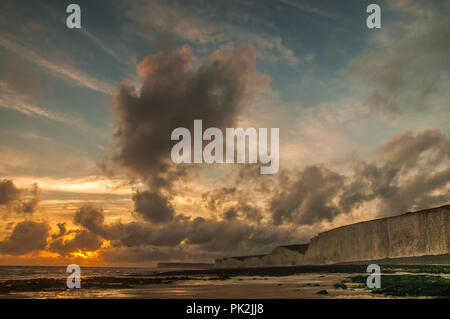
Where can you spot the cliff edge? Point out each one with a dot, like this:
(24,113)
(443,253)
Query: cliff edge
(414,234)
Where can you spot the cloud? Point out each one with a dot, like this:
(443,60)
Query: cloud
(305,7)
(12,196)
(90,217)
(411,172)
(65,168)
(216,198)
(83,240)
(62,230)
(105,47)
(12,100)
(416,170)
(29,206)
(230,214)
(405,149)
(27,236)
(216,92)
(153,207)
(63,71)
(308,198)
(170,22)
(8,192)
(406,67)
(231,204)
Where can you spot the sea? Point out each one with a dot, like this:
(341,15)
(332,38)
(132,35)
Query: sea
(58,272)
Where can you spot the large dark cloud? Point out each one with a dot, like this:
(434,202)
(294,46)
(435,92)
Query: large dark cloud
(27,236)
(83,240)
(216,198)
(414,172)
(153,207)
(239,201)
(411,172)
(30,205)
(185,234)
(91,217)
(308,198)
(174,94)
(62,231)
(405,150)
(8,192)
(13,197)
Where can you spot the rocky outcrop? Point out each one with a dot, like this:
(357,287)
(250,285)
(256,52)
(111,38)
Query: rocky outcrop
(422,233)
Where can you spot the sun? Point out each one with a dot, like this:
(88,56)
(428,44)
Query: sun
(85,254)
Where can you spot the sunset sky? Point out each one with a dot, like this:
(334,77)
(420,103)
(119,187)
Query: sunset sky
(86,116)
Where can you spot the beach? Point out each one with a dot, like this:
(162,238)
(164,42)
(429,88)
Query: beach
(307,282)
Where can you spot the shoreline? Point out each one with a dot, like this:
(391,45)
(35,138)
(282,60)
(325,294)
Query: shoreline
(333,281)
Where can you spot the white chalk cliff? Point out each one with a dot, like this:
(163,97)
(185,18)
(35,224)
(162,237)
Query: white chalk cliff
(422,233)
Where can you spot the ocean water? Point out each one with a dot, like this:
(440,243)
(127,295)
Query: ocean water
(58,272)
(50,282)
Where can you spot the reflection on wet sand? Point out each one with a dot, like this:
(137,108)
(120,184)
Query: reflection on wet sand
(333,281)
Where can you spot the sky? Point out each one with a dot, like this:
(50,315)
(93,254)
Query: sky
(86,116)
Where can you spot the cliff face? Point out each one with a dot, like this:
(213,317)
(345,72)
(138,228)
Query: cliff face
(421,233)
(280,256)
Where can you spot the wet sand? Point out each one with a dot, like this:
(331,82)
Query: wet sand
(290,287)
(241,287)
